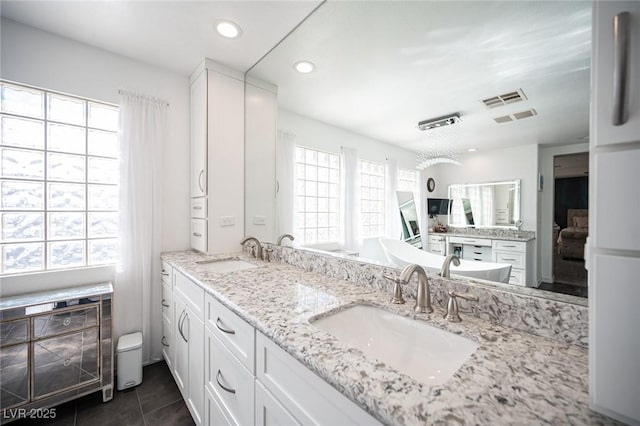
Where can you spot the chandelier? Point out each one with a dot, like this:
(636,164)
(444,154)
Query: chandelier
(440,141)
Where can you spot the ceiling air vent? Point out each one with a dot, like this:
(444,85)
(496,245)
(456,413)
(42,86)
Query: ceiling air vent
(516,116)
(503,119)
(504,99)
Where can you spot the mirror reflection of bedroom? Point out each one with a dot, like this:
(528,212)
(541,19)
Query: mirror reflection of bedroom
(571,223)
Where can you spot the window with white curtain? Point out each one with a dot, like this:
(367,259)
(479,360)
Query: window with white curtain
(407,180)
(59,174)
(372,199)
(317,196)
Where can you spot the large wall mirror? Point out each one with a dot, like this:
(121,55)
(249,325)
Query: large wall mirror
(485,205)
(380,68)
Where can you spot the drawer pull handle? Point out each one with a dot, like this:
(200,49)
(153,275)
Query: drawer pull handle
(477,252)
(197,207)
(506,258)
(66,322)
(197,234)
(510,246)
(218,376)
(165,274)
(166,305)
(221,327)
(164,342)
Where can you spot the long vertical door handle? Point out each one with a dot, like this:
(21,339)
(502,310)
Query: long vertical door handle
(621,49)
(186,318)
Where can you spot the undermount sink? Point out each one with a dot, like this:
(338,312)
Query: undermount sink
(428,354)
(230,264)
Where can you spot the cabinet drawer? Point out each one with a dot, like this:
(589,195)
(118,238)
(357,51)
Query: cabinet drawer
(199,235)
(168,343)
(307,397)
(517,277)
(471,241)
(192,294)
(65,321)
(199,208)
(65,362)
(167,303)
(269,411)
(234,332)
(436,239)
(520,246)
(214,414)
(12,332)
(229,381)
(436,250)
(167,273)
(513,258)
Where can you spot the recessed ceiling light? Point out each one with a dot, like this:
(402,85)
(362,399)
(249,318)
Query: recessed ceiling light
(473,149)
(304,67)
(228,29)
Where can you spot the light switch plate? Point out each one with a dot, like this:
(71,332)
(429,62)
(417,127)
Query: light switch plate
(227,220)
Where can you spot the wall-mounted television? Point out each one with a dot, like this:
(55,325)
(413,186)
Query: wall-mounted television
(436,206)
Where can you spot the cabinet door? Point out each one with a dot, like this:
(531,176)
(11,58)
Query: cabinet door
(193,328)
(199,136)
(14,370)
(181,354)
(604,78)
(269,411)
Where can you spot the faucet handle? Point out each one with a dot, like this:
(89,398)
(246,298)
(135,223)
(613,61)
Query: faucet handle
(266,254)
(452,306)
(397,290)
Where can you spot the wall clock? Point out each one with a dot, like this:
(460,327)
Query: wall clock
(431,184)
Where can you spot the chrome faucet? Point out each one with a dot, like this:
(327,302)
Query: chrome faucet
(282,237)
(257,247)
(445,271)
(423,296)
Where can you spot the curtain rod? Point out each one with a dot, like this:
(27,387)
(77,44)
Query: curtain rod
(141,96)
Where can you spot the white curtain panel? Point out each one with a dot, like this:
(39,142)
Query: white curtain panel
(285,177)
(138,289)
(393,227)
(351,186)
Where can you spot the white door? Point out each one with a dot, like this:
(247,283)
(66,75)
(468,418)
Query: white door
(199,136)
(614,229)
(181,354)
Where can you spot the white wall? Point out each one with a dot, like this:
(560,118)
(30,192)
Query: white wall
(546,205)
(38,58)
(315,134)
(520,162)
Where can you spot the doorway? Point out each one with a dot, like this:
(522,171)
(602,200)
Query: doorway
(570,227)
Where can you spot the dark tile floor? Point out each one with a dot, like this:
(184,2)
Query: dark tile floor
(570,277)
(155,402)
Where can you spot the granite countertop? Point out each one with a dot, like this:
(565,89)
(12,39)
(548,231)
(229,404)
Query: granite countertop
(512,378)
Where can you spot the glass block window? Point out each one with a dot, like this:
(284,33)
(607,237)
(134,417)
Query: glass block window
(317,218)
(372,199)
(59,173)
(407,180)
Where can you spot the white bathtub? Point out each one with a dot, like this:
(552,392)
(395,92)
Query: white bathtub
(402,254)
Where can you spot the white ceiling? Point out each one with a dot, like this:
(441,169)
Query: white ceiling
(174,35)
(384,66)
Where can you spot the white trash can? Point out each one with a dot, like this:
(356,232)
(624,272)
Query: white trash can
(129,353)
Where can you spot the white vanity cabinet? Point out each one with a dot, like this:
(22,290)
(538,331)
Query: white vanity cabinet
(217,158)
(518,255)
(188,302)
(229,367)
(437,244)
(168,336)
(302,397)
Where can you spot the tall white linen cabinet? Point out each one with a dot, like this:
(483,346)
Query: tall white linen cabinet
(217,158)
(613,246)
